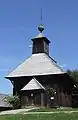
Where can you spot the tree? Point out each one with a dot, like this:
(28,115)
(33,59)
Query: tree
(74,75)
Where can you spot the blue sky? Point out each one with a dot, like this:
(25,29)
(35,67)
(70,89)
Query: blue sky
(19,20)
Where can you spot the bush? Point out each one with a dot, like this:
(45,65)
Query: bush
(14,101)
(50,91)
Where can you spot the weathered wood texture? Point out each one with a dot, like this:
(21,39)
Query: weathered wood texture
(61,83)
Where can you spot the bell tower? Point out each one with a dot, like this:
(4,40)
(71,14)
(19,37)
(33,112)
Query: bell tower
(40,42)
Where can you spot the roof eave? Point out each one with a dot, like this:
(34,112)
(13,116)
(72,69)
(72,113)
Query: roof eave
(8,77)
(41,38)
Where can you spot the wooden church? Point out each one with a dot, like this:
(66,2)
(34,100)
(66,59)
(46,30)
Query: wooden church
(31,78)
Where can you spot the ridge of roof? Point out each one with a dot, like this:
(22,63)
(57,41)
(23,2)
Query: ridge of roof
(55,63)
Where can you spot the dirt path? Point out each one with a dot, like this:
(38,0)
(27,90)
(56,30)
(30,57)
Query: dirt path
(17,111)
(26,111)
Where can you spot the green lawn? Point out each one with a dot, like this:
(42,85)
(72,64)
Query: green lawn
(54,116)
(53,110)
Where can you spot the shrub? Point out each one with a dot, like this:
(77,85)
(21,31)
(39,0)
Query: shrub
(14,101)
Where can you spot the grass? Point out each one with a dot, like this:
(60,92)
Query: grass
(53,110)
(42,116)
(54,116)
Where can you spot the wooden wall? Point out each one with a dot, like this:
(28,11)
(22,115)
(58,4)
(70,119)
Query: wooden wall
(61,83)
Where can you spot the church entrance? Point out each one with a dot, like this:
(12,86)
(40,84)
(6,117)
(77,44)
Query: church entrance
(32,98)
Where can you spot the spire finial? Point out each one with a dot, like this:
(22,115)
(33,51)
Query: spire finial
(41,27)
(41,15)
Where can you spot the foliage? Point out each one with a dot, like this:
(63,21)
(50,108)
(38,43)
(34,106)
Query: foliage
(73,74)
(14,101)
(50,91)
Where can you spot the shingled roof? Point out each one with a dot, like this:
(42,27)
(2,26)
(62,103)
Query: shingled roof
(37,64)
(33,85)
(3,103)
